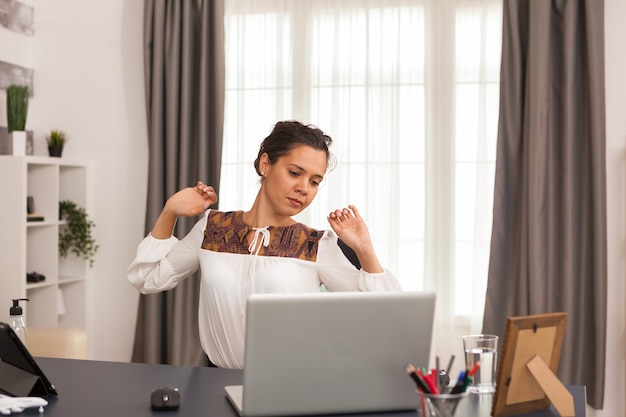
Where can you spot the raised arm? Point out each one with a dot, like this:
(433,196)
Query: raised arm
(351,228)
(188,202)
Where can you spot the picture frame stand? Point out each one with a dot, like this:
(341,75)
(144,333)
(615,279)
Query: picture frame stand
(561,398)
(528,365)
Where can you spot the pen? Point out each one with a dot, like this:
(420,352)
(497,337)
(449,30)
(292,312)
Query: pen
(437,368)
(444,378)
(415,378)
(410,369)
(419,381)
(449,368)
(474,368)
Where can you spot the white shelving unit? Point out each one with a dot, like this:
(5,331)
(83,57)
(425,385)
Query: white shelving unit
(59,300)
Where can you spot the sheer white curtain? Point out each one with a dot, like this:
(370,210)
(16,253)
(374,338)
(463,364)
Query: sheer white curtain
(408,90)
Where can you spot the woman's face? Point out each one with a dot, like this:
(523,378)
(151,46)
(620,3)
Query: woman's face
(292,182)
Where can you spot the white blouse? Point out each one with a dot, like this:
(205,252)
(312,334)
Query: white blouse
(278,260)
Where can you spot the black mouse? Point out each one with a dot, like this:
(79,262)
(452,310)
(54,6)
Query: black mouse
(165,398)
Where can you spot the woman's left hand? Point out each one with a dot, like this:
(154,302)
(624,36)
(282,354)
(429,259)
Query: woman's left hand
(351,229)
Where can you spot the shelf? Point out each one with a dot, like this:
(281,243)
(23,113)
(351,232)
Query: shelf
(33,246)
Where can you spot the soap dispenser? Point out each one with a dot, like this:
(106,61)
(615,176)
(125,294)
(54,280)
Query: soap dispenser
(17,319)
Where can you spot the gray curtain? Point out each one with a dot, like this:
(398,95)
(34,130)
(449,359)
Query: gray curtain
(548,247)
(184,69)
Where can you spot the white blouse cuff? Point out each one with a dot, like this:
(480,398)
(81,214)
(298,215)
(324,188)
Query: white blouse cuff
(152,249)
(378,281)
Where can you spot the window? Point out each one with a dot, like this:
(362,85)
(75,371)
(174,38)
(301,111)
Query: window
(409,92)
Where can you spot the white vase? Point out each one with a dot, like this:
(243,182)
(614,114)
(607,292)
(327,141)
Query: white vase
(18,140)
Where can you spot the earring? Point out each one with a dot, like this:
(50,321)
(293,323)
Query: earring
(263,173)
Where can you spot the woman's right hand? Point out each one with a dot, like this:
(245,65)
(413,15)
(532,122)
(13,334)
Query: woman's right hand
(188,202)
(191,201)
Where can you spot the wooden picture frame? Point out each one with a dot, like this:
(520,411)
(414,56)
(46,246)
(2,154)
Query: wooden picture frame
(530,342)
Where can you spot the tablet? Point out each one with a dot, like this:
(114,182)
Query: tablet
(20,375)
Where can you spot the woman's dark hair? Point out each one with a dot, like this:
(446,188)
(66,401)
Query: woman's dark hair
(289,134)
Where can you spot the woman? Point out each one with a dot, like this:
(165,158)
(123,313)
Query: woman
(261,250)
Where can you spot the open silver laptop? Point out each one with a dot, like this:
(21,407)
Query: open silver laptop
(332,353)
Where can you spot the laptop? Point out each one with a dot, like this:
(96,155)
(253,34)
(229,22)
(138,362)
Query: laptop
(20,375)
(332,352)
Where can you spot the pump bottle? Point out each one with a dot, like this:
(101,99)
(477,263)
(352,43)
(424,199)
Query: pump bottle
(17,319)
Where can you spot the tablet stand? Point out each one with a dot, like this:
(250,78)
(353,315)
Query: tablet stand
(20,383)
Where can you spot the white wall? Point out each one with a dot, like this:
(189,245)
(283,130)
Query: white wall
(88,62)
(615,38)
(88,67)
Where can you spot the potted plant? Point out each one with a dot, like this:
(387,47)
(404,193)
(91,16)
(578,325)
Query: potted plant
(56,140)
(76,236)
(17,109)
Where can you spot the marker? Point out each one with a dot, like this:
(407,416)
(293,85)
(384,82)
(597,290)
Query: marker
(458,388)
(468,380)
(425,378)
(431,381)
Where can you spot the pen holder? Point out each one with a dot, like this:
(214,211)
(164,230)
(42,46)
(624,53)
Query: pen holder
(439,405)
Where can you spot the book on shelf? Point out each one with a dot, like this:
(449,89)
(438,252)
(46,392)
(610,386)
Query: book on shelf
(34,217)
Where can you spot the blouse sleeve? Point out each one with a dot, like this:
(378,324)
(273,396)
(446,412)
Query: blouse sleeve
(160,264)
(339,274)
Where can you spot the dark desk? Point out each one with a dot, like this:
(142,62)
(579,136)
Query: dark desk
(93,388)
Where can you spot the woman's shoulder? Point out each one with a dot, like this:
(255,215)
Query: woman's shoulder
(311,233)
(306,228)
(225,232)
(225,217)
(226,222)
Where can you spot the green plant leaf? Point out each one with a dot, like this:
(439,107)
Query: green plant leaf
(17,107)
(75,237)
(56,138)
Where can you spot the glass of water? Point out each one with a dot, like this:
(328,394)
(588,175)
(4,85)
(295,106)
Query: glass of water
(483,348)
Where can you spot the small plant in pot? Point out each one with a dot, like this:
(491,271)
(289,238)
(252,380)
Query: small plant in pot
(56,140)
(76,236)
(17,110)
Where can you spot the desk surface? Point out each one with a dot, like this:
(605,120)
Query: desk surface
(94,388)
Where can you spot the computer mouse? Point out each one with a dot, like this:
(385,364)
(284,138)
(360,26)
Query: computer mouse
(166,398)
